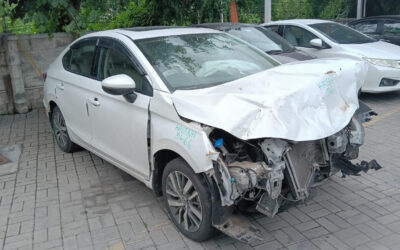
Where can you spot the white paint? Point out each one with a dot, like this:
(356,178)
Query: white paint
(299,101)
(121,81)
(378,50)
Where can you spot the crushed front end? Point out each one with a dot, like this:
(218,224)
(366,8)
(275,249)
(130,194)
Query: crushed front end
(265,174)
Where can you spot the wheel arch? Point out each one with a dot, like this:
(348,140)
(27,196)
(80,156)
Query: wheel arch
(160,160)
(52,105)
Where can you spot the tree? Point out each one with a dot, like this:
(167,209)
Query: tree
(6,8)
(387,7)
(185,12)
(50,15)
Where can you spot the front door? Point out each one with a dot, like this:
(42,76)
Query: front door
(300,38)
(119,127)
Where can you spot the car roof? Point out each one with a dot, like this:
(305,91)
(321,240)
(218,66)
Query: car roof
(298,21)
(224,26)
(376,17)
(136,33)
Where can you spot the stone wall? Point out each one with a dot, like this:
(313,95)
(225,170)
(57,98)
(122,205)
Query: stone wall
(42,50)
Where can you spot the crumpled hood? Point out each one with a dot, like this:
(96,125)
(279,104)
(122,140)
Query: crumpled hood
(299,101)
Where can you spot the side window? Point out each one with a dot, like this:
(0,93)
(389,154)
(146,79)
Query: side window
(274,28)
(391,28)
(367,27)
(66,60)
(114,62)
(82,54)
(298,36)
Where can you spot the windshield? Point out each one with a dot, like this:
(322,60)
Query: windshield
(202,60)
(341,34)
(262,38)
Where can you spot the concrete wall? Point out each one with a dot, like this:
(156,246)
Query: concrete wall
(43,51)
(3,71)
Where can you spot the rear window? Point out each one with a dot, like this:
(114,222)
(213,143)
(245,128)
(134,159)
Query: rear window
(262,38)
(391,28)
(368,27)
(79,59)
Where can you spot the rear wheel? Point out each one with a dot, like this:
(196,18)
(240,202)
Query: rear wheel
(187,200)
(60,132)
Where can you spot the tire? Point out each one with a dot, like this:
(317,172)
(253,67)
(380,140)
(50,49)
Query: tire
(60,132)
(188,204)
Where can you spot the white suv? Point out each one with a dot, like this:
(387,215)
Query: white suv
(207,120)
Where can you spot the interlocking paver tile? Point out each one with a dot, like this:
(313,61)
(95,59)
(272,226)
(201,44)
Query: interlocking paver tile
(78,201)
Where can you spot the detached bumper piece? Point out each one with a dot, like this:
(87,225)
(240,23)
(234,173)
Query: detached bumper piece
(239,227)
(348,168)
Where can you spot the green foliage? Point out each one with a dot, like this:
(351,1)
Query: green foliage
(80,16)
(19,27)
(250,11)
(185,12)
(50,15)
(290,9)
(6,8)
(136,14)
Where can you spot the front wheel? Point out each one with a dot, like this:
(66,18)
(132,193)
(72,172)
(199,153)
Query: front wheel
(60,132)
(187,200)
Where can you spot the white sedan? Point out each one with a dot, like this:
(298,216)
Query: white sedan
(207,120)
(325,39)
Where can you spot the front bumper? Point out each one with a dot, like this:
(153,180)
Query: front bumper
(375,76)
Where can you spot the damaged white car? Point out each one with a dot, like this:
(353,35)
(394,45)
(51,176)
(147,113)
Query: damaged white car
(208,121)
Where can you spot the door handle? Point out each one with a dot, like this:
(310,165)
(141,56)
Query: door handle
(94,101)
(60,86)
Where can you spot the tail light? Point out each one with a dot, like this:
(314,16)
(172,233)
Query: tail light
(44,75)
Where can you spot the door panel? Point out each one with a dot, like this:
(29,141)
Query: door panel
(119,127)
(76,85)
(74,105)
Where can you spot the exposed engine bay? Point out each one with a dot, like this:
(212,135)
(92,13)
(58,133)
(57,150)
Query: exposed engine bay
(265,174)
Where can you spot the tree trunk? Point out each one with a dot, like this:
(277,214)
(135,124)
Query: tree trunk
(76,4)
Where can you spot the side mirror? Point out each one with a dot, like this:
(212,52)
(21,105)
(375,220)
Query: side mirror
(316,43)
(120,85)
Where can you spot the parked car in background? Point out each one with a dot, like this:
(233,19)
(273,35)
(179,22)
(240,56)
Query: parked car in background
(264,39)
(324,39)
(386,28)
(207,120)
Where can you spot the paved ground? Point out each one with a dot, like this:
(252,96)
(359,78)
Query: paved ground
(78,201)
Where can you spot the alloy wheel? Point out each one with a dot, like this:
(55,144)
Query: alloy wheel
(60,130)
(184,201)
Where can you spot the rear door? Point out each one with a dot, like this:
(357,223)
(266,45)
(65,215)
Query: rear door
(119,127)
(78,81)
